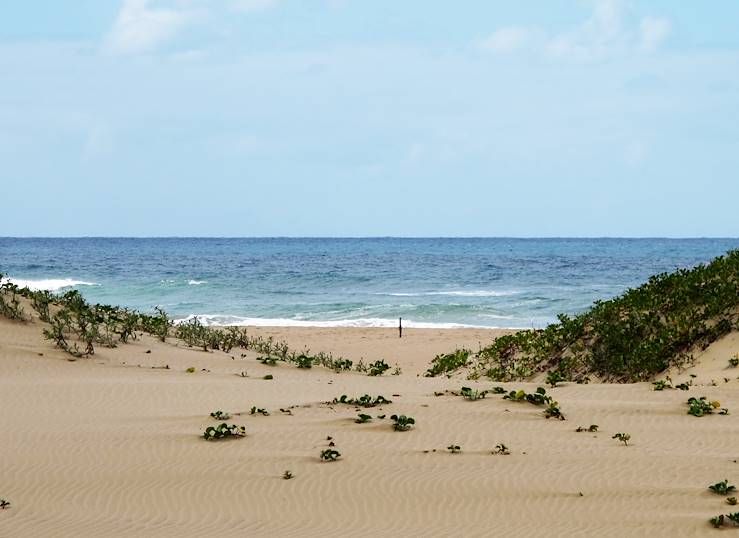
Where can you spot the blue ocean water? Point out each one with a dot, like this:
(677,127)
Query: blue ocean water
(492,282)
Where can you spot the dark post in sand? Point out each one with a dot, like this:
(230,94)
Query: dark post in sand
(400,327)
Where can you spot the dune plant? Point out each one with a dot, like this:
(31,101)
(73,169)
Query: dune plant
(538,397)
(268,377)
(501,450)
(699,407)
(4,504)
(363,401)
(402,423)
(330,454)
(378,368)
(362,418)
(223,430)
(454,449)
(304,361)
(722,488)
(717,521)
(632,337)
(592,428)
(449,362)
(734,361)
(220,415)
(554,377)
(731,500)
(259,411)
(623,437)
(553,411)
(472,395)
(288,475)
(662,384)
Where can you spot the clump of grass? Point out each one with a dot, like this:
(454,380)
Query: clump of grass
(259,411)
(223,431)
(623,437)
(402,423)
(330,454)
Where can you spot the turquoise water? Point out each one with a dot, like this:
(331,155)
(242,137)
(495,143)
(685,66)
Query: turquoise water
(495,282)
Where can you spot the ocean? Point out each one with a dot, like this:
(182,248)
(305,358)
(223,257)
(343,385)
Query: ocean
(485,282)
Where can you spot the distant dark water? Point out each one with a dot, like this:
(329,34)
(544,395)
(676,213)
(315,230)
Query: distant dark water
(353,282)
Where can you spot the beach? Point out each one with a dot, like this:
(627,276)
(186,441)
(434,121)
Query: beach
(112,445)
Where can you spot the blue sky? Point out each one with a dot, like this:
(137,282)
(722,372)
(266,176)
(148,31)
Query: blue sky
(357,118)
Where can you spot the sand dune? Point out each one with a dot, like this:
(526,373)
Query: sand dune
(110,446)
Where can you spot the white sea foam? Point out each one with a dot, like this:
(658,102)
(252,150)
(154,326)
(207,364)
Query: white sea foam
(50,284)
(218,320)
(197,282)
(456,293)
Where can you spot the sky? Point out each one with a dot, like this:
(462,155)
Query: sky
(355,118)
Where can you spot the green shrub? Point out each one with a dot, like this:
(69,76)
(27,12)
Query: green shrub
(734,361)
(722,488)
(220,415)
(449,362)
(402,423)
(592,428)
(469,394)
(623,437)
(539,397)
(223,431)
(330,454)
(363,401)
(699,407)
(378,368)
(362,418)
(553,411)
(554,377)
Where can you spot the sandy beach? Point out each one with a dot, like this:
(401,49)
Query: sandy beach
(112,445)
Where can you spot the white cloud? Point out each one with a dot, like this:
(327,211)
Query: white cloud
(653,32)
(604,33)
(253,5)
(506,39)
(142,28)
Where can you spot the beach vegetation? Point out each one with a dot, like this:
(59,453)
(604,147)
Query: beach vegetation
(731,500)
(501,450)
(454,449)
(330,454)
(734,361)
(223,431)
(622,437)
(722,488)
(4,504)
(553,411)
(448,362)
(362,401)
(362,418)
(288,475)
(699,407)
(258,411)
(402,423)
(662,384)
(538,397)
(472,395)
(632,337)
(378,368)
(554,377)
(593,428)
(220,415)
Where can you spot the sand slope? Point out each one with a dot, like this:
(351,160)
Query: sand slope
(108,446)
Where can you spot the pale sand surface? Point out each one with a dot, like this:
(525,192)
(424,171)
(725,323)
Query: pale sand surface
(108,446)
